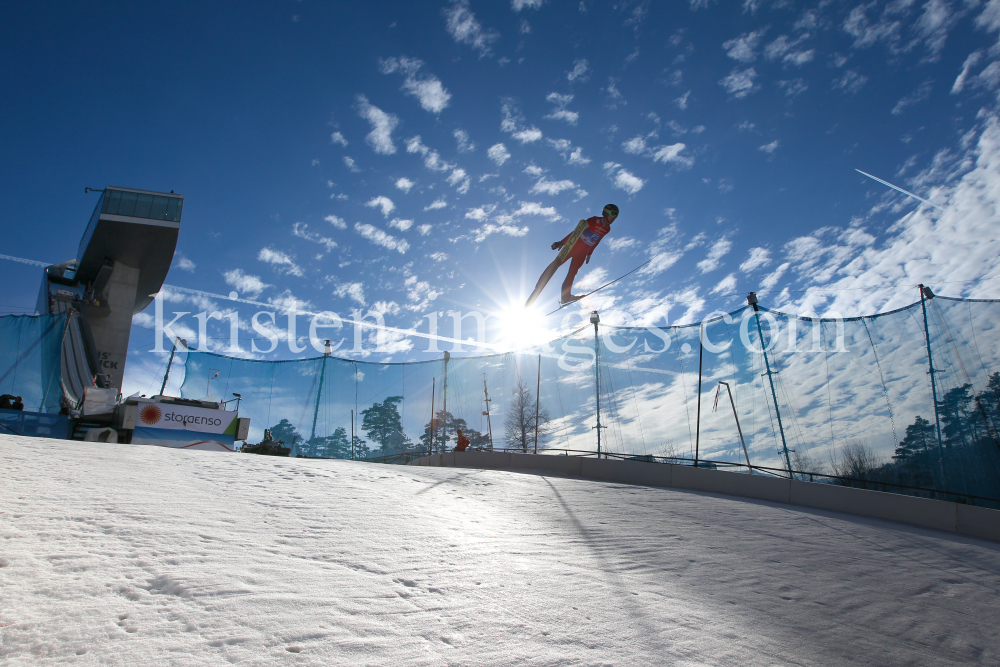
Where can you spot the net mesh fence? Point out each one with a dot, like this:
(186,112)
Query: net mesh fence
(852,397)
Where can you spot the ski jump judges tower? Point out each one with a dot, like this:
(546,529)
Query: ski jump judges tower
(121,263)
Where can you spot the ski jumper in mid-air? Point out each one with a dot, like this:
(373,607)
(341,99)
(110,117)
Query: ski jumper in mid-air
(577,247)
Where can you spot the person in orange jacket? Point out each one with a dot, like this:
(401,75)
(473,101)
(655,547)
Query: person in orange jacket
(463,442)
(577,247)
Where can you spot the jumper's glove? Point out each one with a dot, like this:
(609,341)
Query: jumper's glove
(557,245)
(587,261)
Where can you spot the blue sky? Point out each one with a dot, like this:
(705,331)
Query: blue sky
(421,157)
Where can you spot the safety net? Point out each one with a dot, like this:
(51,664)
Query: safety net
(30,359)
(907,400)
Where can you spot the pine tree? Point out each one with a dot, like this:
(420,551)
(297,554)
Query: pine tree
(445,425)
(383,425)
(334,446)
(919,440)
(285,430)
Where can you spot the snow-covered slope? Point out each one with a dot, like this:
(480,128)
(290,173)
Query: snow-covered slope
(114,554)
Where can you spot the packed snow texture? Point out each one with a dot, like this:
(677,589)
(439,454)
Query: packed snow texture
(118,554)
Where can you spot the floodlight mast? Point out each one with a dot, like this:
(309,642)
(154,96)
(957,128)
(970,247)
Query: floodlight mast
(170,362)
(486,412)
(327,351)
(595,319)
(752,300)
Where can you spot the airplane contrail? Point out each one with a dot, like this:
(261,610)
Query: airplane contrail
(905,192)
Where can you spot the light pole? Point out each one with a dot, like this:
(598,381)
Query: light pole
(595,319)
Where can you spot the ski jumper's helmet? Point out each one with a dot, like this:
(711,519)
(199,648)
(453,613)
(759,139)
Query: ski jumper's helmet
(611,210)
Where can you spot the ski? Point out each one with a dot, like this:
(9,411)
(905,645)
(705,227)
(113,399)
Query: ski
(583,296)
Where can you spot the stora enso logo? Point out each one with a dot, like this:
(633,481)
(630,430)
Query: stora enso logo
(150,414)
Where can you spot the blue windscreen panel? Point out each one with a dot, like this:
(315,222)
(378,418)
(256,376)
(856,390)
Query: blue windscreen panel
(30,360)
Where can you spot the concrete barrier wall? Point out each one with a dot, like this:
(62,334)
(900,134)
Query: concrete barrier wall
(937,514)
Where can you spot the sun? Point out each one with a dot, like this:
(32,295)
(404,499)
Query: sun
(522,327)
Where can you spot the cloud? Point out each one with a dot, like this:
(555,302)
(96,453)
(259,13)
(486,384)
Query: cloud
(559,100)
(463,27)
(380,138)
(350,164)
(581,69)
(459,180)
(771,279)
(424,229)
(851,82)
(744,47)
(622,243)
(971,61)
(527,135)
(281,262)
(769,148)
(438,257)
(379,237)
(614,96)
(576,157)
(715,254)
(498,153)
(511,123)
(535,208)
(759,258)
(551,187)
(518,5)
(244,283)
(918,95)
(415,145)
(788,52)
(682,101)
(865,32)
(184,264)
(436,204)
(404,184)
(727,284)
(739,83)
(427,88)
(667,154)
(401,225)
(592,279)
(480,213)
(623,179)
(286,301)
(338,138)
(432,160)
(383,203)
(570,117)
(672,154)
(464,145)
(560,112)
(301,230)
(353,291)
(481,234)
(563,146)
(336,222)
(793,87)
(663,251)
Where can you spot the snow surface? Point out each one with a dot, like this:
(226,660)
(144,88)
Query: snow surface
(118,554)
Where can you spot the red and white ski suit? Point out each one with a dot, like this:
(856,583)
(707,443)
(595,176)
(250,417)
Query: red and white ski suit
(582,249)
